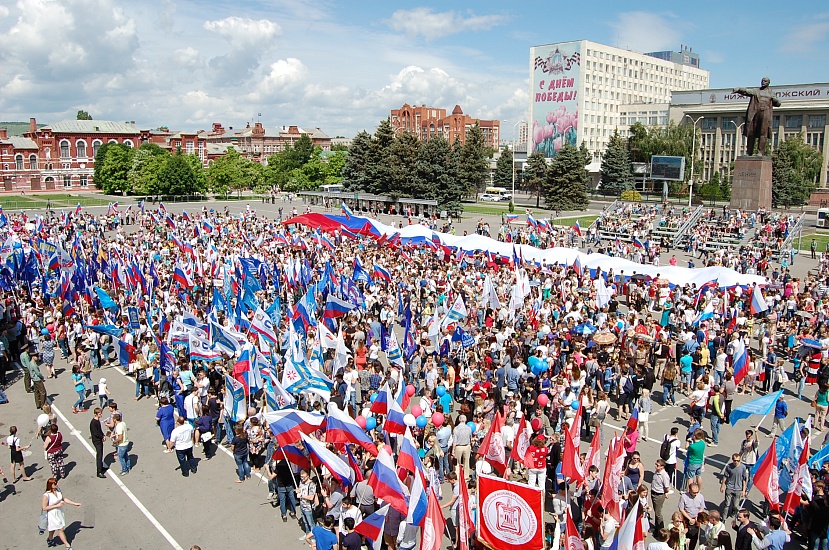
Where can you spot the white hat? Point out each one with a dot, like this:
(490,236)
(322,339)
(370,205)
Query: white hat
(102,381)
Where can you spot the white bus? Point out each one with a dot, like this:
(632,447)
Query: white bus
(333,188)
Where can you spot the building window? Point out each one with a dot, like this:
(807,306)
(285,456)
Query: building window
(775,121)
(18,162)
(709,123)
(817,121)
(189,148)
(32,162)
(67,181)
(80,147)
(84,180)
(95,146)
(128,143)
(64,149)
(794,121)
(729,123)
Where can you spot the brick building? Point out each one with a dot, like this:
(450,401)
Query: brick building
(190,143)
(258,142)
(428,122)
(18,162)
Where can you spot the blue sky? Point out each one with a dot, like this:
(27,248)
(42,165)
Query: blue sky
(342,66)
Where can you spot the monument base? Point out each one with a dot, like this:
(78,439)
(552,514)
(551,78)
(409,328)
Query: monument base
(751,184)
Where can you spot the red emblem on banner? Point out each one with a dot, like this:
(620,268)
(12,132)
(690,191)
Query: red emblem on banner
(511,514)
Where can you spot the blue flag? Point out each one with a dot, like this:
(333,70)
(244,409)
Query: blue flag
(762,405)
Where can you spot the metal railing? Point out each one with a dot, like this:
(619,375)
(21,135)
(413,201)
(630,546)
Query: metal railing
(788,242)
(689,223)
(609,208)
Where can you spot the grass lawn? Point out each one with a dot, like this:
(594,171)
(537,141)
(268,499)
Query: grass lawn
(17,202)
(584,221)
(60,200)
(821,238)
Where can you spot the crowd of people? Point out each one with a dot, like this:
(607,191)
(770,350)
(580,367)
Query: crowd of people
(485,344)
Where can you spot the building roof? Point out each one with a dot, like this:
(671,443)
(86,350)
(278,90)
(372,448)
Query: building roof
(91,127)
(19,142)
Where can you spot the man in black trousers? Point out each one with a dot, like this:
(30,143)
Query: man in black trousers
(97,434)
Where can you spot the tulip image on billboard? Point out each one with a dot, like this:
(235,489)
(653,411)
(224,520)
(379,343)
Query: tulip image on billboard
(554,97)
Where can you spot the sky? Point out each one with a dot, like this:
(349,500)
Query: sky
(342,66)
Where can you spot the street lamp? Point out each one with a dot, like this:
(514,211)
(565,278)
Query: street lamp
(693,156)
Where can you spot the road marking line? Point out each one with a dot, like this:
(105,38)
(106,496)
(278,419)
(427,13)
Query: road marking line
(114,477)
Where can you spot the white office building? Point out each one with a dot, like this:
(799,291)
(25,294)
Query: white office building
(582,91)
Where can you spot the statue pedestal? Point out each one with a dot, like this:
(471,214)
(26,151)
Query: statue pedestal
(751,184)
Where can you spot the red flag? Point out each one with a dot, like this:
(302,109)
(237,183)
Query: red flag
(465,525)
(801,482)
(510,514)
(522,442)
(594,453)
(433,525)
(492,447)
(574,541)
(765,478)
(612,476)
(571,465)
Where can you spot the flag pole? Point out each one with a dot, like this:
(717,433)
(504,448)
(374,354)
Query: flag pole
(293,477)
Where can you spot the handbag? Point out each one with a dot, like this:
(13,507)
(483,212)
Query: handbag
(43,521)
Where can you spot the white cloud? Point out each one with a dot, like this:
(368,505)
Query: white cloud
(4,11)
(643,31)
(249,39)
(430,25)
(284,76)
(807,38)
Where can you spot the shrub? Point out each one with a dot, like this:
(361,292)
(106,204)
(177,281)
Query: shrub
(631,195)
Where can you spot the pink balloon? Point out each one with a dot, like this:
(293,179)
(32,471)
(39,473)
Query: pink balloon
(437,419)
(361,421)
(543,399)
(417,411)
(410,391)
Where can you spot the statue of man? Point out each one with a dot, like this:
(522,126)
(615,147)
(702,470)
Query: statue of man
(758,115)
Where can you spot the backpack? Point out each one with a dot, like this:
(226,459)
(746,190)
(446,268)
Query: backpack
(628,387)
(665,448)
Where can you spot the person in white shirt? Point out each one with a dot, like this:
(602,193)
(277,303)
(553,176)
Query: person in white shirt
(192,406)
(661,543)
(181,439)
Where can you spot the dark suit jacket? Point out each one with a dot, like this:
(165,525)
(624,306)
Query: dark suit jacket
(96,431)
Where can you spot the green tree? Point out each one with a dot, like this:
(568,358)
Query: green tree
(355,170)
(403,157)
(147,162)
(83,115)
(567,179)
(302,150)
(673,140)
(112,167)
(198,170)
(504,169)
(433,174)
(616,174)
(473,165)
(336,162)
(251,175)
(379,166)
(796,167)
(535,174)
(177,176)
(225,172)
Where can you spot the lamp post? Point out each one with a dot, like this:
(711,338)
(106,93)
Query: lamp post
(736,145)
(693,156)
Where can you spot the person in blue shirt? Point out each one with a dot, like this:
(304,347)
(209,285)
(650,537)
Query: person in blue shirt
(685,370)
(781,411)
(323,535)
(778,535)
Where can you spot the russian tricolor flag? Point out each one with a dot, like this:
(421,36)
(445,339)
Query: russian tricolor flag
(418,502)
(381,273)
(531,220)
(180,277)
(637,243)
(386,484)
(347,211)
(295,456)
(186,216)
(394,423)
(511,217)
(758,303)
(577,228)
(372,526)
(739,362)
(343,429)
(320,455)
(287,424)
(171,223)
(384,397)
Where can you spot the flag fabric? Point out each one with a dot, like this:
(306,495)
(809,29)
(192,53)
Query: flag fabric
(342,428)
(629,537)
(201,350)
(106,301)
(762,406)
(457,311)
(386,484)
(384,397)
(613,475)
(574,541)
(381,273)
(372,526)
(739,363)
(245,371)
(283,399)
(407,457)
(352,462)
(465,525)
(418,502)
(434,524)
(767,477)
(320,455)
(126,353)
(758,303)
(235,397)
(801,485)
(395,423)
(577,228)
(492,447)
(637,243)
(336,307)
(180,277)
(286,425)
(571,464)
(346,211)
(594,453)
(263,326)
(522,442)
(295,456)
(510,514)
(511,217)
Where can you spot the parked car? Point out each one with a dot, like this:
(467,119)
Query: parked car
(491,198)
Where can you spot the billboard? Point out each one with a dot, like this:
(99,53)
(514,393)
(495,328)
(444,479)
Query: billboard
(554,96)
(668,168)
(783,93)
